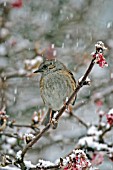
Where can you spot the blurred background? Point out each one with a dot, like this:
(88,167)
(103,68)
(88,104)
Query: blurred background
(66,30)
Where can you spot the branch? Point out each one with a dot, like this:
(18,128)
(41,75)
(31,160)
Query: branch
(80,84)
(38,136)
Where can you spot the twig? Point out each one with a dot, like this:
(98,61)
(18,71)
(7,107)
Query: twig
(3,95)
(26,126)
(9,135)
(32,126)
(3,126)
(48,167)
(79,120)
(106,130)
(81,103)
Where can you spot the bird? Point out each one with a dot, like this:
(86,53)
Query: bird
(57,83)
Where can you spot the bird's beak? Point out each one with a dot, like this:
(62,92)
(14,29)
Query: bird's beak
(38,71)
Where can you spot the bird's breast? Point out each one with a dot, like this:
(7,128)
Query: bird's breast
(55,87)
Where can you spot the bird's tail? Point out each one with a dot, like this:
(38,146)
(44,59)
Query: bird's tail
(48,116)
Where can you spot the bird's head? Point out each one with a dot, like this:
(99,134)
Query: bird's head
(49,66)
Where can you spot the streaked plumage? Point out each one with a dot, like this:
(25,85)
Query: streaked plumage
(56,84)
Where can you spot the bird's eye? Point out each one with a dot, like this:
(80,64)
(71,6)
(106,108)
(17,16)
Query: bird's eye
(44,66)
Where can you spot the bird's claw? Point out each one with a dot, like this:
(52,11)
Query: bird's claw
(54,123)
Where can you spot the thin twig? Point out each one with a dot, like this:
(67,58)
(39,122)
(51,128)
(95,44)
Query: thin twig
(3,95)
(48,167)
(10,135)
(32,126)
(106,130)
(79,120)
(26,126)
(78,105)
